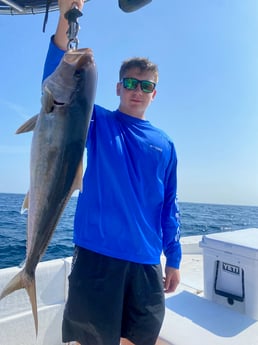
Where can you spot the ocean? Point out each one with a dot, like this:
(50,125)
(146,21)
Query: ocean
(196,219)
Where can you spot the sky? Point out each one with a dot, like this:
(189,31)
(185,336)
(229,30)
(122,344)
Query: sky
(207,95)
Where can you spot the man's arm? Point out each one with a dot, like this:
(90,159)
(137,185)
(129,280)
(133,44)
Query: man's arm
(170,227)
(59,40)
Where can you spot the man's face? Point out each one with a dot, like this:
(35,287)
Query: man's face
(135,102)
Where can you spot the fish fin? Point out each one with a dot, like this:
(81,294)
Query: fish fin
(14,284)
(28,125)
(31,290)
(25,205)
(23,281)
(77,183)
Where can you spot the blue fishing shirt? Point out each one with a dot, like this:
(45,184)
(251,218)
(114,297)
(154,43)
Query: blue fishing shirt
(127,208)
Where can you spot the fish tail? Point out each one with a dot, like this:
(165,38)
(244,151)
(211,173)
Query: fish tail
(31,290)
(23,281)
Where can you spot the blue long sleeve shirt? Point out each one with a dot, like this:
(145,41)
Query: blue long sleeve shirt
(127,208)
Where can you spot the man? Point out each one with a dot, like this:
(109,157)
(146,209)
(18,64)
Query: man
(125,216)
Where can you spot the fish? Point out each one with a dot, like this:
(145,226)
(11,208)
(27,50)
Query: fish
(56,158)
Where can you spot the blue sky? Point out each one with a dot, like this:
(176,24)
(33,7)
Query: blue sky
(207,52)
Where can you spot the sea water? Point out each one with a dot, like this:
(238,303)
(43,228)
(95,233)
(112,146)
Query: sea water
(195,218)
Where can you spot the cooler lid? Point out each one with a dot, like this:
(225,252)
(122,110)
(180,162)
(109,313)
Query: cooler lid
(242,242)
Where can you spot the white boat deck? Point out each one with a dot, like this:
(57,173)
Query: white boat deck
(190,318)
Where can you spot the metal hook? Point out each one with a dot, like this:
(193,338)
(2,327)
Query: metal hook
(73,29)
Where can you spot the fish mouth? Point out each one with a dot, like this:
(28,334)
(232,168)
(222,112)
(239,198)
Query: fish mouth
(77,64)
(79,57)
(58,103)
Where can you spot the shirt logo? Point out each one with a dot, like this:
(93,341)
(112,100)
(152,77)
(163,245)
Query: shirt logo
(156,148)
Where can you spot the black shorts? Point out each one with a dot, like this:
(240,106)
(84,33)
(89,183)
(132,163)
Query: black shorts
(110,298)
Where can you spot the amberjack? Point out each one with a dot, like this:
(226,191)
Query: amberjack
(56,167)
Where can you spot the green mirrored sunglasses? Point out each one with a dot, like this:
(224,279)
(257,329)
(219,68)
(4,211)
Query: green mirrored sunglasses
(132,83)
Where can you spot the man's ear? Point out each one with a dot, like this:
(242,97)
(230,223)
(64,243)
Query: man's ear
(118,89)
(154,94)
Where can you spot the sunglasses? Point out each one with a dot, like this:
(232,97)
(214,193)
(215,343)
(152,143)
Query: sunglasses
(132,83)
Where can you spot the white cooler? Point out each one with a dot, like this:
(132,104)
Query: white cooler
(230,261)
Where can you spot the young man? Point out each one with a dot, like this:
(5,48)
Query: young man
(125,216)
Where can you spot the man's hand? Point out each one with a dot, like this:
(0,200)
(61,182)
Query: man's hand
(172,279)
(66,5)
(60,38)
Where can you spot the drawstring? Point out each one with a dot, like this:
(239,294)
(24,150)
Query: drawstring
(48,2)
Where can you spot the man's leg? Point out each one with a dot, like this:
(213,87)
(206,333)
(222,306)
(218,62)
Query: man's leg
(162,342)
(125,341)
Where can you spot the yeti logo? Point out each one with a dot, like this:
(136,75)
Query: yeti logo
(230,268)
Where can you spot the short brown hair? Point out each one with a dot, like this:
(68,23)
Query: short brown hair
(142,63)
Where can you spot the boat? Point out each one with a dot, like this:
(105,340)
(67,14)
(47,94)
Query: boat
(198,313)
(212,305)
(11,7)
